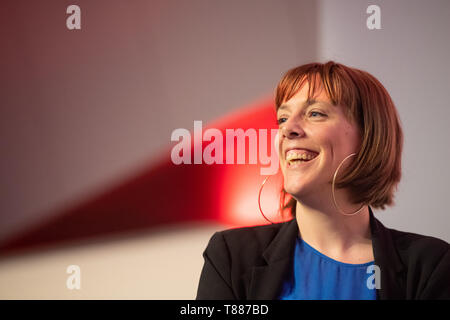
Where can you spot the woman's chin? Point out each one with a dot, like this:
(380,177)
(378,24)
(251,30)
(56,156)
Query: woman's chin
(297,191)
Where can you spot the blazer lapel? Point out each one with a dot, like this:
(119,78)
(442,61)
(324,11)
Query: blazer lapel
(266,281)
(387,259)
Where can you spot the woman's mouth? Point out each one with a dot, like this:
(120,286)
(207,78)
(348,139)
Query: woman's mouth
(297,157)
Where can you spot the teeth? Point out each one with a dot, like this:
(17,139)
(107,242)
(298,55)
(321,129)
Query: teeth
(292,156)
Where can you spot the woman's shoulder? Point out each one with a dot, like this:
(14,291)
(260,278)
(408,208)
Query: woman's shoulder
(255,234)
(247,241)
(417,242)
(418,248)
(427,261)
(257,231)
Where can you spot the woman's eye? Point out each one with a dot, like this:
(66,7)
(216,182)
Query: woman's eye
(281,120)
(315,114)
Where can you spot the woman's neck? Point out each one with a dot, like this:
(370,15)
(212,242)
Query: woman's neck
(343,238)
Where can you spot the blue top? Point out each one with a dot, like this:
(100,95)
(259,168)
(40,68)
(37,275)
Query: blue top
(318,277)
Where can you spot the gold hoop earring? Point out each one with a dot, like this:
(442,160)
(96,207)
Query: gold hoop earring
(333,192)
(259,199)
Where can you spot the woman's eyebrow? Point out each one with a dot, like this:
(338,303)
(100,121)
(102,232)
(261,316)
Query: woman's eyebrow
(304,104)
(283,107)
(322,103)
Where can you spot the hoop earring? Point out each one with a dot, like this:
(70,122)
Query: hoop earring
(259,199)
(333,192)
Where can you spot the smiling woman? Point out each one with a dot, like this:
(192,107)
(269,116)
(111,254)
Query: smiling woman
(347,111)
(340,144)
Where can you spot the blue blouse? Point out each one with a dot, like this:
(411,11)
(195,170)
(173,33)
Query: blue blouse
(318,277)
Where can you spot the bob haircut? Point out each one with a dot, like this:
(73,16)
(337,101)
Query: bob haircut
(374,174)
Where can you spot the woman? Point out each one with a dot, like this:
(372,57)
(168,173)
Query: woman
(340,144)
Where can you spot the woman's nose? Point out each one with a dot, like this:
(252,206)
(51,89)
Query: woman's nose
(292,129)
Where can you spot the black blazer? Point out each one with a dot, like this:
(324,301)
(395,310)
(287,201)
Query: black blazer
(251,263)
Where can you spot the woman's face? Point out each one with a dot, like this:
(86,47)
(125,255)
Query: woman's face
(314,137)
